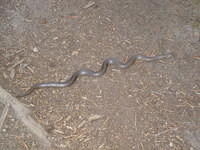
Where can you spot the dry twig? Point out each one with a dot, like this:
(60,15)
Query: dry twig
(4,114)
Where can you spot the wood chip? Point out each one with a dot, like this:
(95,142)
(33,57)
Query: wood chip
(90,4)
(3,115)
(68,118)
(12,74)
(58,131)
(16,64)
(70,128)
(75,53)
(94,117)
(55,38)
(5,75)
(84,97)
(82,124)
(196,57)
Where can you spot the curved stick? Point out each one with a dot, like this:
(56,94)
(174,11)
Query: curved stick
(102,71)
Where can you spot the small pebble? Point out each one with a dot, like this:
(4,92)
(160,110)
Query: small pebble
(171,144)
(4,130)
(84,97)
(75,53)
(191,148)
(35,50)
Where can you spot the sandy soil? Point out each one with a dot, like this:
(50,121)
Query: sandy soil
(150,106)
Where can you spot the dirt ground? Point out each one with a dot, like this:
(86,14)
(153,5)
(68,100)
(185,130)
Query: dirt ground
(150,106)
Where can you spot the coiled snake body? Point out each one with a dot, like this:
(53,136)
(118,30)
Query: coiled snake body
(102,71)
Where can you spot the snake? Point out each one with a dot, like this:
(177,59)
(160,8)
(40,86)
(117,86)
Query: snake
(87,72)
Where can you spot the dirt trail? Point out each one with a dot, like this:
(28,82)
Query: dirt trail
(148,106)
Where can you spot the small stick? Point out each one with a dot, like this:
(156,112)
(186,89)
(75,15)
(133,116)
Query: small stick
(3,115)
(90,4)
